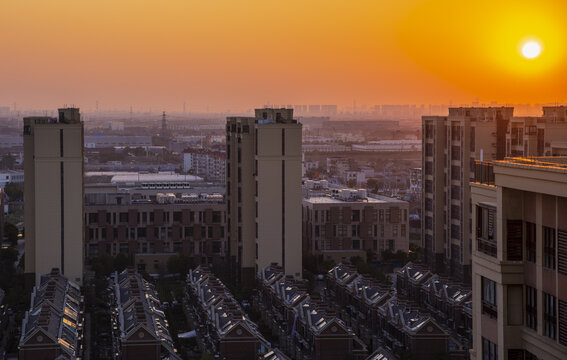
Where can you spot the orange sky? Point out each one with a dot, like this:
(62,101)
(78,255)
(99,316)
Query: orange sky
(225,54)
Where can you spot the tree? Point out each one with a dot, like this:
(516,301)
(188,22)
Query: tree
(179,264)
(11,233)
(8,162)
(14,191)
(372,185)
(351,183)
(122,261)
(403,354)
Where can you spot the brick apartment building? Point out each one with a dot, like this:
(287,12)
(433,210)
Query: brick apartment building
(53,326)
(339,223)
(141,328)
(154,223)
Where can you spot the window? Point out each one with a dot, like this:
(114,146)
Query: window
(485,230)
(489,350)
(93,218)
(489,306)
(562,251)
(548,247)
(123,217)
(514,240)
(562,322)
(531,308)
(355,230)
(316,230)
(177,216)
(531,242)
(403,229)
(356,244)
(356,215)
(549,316)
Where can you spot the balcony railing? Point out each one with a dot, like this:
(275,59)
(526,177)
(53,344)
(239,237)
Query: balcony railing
(484,172)
(486,246)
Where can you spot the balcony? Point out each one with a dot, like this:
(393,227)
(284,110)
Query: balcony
(484,173)
(486,246)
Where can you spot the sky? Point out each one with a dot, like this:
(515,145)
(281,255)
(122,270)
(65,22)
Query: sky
(224,54)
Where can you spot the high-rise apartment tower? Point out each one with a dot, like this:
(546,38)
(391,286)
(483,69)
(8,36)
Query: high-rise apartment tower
(53,195)
(264,192)
(451,144)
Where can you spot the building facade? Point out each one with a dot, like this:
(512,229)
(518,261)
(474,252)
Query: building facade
(450,145)
(153,224)
(520,259)
(538,136)
(264,192)
(53,195)
(341,223)
(208,164)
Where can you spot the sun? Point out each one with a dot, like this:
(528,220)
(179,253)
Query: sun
(531,49)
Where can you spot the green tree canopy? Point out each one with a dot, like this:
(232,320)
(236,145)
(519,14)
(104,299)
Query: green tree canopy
(14,191)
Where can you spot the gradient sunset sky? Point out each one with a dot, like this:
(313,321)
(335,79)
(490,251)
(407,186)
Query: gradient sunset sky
(228,54)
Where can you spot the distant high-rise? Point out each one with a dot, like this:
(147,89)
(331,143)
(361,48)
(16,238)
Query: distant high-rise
(264,192)
(53,191)
(451,144)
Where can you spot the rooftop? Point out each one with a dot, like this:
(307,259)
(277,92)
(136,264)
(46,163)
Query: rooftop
(554,163)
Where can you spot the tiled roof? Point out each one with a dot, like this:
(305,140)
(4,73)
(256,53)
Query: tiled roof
(55,310)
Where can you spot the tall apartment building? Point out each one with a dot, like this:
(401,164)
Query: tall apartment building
(53,194)
(264,192)
(2,220)
(451,144)
(519,261)
(538,136)
(341,223)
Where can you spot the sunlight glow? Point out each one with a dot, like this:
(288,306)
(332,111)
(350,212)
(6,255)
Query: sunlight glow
(531,50)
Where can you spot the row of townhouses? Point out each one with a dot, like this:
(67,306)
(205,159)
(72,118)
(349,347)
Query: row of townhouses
(226,330)
(306,328)
(140,326)
(53,326)
(388,322)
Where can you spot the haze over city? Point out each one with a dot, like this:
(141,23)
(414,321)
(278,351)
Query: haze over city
(283,180)
(221,55)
